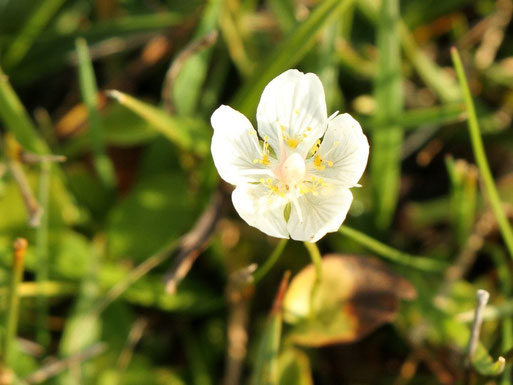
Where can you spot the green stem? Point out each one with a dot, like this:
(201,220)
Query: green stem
(394,255)
(270,262)
(480,155)
(20,247)
(315,255)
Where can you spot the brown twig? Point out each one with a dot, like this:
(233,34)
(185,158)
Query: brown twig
(175,68)
(30,158)
(193,243)
(57,367)
(134,336)
(239,293)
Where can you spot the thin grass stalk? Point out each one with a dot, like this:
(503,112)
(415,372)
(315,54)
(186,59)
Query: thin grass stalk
(394,255)
(480,155)
(18,263)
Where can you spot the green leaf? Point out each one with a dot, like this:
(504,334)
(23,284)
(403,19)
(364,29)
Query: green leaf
(485,364)
(187,133)
(157,210)
(353,298)
(294,368)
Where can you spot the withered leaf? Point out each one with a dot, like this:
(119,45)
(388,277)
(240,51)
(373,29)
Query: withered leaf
(355,296)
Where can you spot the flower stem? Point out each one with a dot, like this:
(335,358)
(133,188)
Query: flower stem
(394,255)
(20,248)
(480,155)
(269,263)
(315,255)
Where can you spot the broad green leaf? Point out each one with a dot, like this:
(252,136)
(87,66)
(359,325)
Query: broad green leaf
(187,133)
(354,297)
(194,296)
(485,364)
(157,210)
(294,368)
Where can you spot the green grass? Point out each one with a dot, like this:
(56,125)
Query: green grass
(125,92)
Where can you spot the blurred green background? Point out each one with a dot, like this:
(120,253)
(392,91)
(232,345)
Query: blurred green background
(124,90)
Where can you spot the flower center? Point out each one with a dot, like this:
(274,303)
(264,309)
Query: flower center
(292,171)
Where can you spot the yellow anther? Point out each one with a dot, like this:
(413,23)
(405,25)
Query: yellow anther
(265,159)
(293,142)
(251,132)
(309,129)
(282,128)
(318,163)
(330,163)
(255,161)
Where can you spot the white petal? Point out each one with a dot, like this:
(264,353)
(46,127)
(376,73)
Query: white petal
(345,145)
(235,146)
(293,103)
(261,209)
(321,214)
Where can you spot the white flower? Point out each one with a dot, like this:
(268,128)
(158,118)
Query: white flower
(293,177)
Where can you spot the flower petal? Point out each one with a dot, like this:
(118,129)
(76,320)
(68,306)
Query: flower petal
(261,209)
(343,153)
(321,214)
(292,107)
(235,147)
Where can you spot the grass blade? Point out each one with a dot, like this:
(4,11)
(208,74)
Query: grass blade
(17,122)
(480,155)
(387,141)
(30,31)
(266,366)
(89,93)
(16,119)
(397,256)
(188,134)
